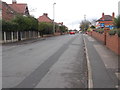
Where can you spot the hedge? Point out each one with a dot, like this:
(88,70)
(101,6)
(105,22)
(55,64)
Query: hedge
(114,31)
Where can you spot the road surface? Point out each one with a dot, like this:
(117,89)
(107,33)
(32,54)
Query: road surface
(55,62)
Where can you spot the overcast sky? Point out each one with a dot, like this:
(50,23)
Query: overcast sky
(71,12)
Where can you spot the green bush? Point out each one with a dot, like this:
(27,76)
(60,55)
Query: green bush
(100,31)
(9,26)
(26,23)
(112,32)
(20,23)
(45,28)
(117,21)
(118,32)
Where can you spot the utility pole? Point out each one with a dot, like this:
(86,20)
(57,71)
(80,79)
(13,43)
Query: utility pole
(85,17)
(54,18)
(85,22)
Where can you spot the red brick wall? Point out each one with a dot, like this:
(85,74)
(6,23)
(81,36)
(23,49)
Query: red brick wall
(119,45)
(112,41)
(99,36)
(89,33)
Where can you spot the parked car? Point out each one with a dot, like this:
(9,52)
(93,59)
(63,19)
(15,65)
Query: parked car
(72,32)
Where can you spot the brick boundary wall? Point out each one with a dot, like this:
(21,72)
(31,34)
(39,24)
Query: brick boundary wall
(111,41)
(100,37)
(89,33)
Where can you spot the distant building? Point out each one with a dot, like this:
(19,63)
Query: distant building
(119,8)
(45,18)
(106,21)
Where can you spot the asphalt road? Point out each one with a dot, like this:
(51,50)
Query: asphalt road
(54,62)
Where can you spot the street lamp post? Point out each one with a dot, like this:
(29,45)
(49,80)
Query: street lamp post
(54,18)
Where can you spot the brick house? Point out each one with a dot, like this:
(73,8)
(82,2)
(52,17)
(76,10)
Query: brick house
(45,18)
(106,20)
(9,11)
(20,8)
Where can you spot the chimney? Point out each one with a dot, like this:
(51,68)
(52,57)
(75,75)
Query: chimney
(45,14)
(14,1)
(102,15)
(113,15)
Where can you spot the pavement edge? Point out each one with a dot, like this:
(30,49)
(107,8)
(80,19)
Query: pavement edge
(90,81)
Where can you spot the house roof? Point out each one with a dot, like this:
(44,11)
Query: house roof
(45,18)
(19,8)
(106,18)
(7,12)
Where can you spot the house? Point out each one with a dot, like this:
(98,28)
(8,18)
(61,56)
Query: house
(9,11)
(45,18)
(20,8)
(106,21)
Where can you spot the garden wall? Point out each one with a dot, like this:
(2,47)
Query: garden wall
(111,41)
(100,37)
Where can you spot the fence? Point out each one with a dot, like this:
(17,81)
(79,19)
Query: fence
(10,36)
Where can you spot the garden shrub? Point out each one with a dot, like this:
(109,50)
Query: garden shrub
(112,32)
(100,31)
(118,32)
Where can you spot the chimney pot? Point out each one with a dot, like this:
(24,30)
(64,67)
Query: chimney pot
(45,14)
(102,14)
(113,15)
(14,1)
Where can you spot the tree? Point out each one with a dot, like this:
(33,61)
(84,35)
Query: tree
(45,28)
(84,25)
(93,22)
(117,22)
(63,29)
(9,26)
(26,23)
(93,27)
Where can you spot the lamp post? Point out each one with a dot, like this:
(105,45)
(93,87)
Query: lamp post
(54,18)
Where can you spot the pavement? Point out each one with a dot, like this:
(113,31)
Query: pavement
(103,64)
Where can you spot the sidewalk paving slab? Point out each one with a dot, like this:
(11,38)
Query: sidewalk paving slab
(104,64)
